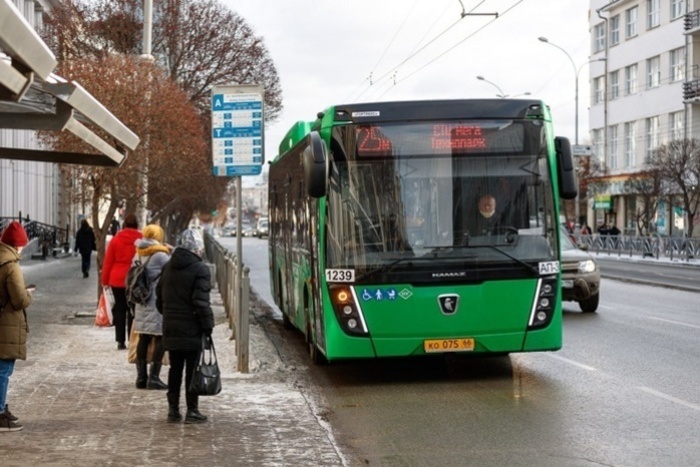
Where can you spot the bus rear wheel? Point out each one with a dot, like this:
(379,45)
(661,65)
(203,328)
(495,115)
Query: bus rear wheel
(316,356)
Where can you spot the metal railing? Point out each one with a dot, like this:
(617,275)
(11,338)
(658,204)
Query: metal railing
(48,236)
(654,246)
(226,264)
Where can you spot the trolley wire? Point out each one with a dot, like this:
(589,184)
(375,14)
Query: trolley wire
(454,46)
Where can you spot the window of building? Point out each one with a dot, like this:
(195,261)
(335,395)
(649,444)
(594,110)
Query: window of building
(614,84)
(653,72)
(631,17)
(653,13)
(678,64)
(598,90)
(676,124)
(615,30)
(598,143)
(652,135)
(614,144)
(677,8)
(599,38)
(631,79)
(630,147)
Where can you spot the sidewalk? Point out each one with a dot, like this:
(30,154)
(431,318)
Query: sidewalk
(76,398)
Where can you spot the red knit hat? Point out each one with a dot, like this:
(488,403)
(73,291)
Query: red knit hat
(14,235)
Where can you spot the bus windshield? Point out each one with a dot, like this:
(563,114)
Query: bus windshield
(467,193)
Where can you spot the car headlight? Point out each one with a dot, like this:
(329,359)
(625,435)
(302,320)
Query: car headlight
(586,266)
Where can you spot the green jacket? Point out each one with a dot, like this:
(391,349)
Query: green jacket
(14,298)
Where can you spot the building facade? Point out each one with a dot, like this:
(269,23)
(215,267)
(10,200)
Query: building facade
(643,56)
(28,188)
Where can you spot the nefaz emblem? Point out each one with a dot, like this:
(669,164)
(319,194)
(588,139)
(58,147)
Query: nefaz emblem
(448,303)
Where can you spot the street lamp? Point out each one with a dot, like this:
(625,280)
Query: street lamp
(576,70)
(502,95)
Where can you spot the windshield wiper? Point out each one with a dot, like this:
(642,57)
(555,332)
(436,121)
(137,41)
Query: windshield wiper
(390,266)
(436,249)
(517,260)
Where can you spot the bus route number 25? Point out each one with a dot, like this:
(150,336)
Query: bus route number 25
(340,275)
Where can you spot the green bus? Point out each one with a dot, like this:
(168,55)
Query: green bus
(420,227)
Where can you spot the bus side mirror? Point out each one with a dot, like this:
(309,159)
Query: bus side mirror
(315,160)
(568,188)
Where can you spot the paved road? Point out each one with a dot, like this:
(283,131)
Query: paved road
(622,391)
(679,274)
(75,396)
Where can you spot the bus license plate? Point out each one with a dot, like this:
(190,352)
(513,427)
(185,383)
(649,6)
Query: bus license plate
(448,345)
(567,284)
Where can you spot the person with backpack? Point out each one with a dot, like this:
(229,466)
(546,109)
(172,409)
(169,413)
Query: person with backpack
(120,253)
(152,254)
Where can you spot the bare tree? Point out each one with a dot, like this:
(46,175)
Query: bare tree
(648,186)
(200,43)
(142,97)
(678,163)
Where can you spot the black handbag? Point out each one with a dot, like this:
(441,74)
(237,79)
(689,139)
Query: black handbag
(206,380)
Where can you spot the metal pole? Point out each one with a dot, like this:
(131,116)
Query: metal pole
(242,338)
(577,208)
(502,95)
(239,258)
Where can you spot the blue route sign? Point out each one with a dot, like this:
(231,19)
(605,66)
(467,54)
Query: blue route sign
(237,130)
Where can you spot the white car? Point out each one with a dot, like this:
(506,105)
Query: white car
(580,276)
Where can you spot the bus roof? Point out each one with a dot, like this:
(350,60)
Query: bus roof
(418,110)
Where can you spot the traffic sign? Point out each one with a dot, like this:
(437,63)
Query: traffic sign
(581,150)
(237,130)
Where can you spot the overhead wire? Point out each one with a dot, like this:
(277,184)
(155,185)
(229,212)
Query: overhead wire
(386,49)
(416,52)
(457,44)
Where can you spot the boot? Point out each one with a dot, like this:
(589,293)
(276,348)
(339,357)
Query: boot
(174,408)
(193,415)
(141,374)
(154,381)
(174,415)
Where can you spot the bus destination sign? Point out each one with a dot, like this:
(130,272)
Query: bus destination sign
(437,138)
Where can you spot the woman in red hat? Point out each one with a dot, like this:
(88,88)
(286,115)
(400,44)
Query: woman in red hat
(14,299)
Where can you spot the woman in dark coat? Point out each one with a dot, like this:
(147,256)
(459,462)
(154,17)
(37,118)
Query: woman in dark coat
(182,296)
(85,245)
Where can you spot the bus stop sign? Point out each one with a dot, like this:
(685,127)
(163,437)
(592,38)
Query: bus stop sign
(237,127)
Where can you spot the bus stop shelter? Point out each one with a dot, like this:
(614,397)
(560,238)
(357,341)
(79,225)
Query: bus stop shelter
(32,97)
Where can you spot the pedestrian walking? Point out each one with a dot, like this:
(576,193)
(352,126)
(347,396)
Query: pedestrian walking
(120,252)
(85,245)
(114,227)
(187,317)
(15,297)
(148,322)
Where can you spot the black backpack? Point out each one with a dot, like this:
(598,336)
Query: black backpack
(138,287)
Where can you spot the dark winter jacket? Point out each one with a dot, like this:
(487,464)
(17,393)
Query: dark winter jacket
(14,298)
(85,240)
(182,296)
(120,252)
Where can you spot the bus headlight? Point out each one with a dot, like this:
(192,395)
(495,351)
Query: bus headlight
(543,304)
(347,311)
